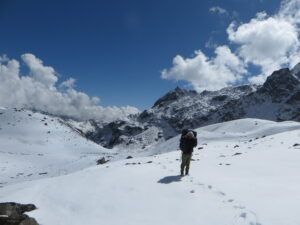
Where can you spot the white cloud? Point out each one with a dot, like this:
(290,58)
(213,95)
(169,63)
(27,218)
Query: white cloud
(269,42)
(3,58)
(70,83)
(211,43)
(223,12)
(40,73)
(38,90)
(219,10)
(290,11)
(205,73)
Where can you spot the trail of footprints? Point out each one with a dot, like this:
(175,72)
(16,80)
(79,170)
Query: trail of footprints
(244,216)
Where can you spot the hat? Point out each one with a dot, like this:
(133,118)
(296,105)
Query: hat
(190,134)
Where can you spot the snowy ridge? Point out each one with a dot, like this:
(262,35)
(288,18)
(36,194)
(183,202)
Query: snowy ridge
(34,145)
(244,172)
(175,111)
(237,130)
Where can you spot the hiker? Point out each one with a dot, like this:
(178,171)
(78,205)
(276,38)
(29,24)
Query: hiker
(188,141)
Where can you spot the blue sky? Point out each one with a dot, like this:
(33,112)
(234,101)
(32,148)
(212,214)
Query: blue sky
(117,49)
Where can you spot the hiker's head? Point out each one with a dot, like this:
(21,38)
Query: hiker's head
(190,134)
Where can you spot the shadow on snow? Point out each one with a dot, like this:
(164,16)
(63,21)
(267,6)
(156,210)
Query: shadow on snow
(170,179)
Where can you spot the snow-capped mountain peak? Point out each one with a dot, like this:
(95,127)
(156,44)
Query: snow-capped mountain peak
(277,99)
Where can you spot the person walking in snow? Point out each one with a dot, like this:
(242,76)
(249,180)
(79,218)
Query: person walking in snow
(188,141)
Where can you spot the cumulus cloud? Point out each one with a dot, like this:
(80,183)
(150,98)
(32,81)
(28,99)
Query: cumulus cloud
(290,11)
(39,90)
(268,42)
(207,73)
(42,74)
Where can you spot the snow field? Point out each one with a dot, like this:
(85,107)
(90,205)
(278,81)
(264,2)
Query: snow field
(34,145)
(244,172)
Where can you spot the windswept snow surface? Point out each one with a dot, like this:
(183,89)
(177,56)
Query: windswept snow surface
(34,145)
(245,172)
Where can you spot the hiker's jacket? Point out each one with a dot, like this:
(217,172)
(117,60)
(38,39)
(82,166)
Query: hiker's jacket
(187,144)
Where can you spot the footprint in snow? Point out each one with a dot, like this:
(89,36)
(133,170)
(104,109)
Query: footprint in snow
(248,218)
(238,207)
(220,193)
(228,201)
(243,215)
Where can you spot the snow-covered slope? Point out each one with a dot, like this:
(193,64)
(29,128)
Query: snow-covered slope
(34,145)
(243,172)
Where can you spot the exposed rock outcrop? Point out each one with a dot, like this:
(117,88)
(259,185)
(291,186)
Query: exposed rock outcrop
(12,213)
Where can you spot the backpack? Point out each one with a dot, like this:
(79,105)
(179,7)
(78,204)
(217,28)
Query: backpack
(183,133)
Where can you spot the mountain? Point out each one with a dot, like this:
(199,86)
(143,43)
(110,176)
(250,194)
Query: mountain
(277,99)
(243,172)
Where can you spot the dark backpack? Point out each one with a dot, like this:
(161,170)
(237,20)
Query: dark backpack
(183,133)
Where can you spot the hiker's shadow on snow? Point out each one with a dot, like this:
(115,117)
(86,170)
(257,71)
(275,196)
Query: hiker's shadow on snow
(169,179)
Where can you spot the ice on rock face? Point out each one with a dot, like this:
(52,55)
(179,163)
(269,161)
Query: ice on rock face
(295,71)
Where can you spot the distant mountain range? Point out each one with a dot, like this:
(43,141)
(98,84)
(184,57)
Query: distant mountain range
(277,99)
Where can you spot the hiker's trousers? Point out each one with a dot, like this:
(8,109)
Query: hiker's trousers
(185,162)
